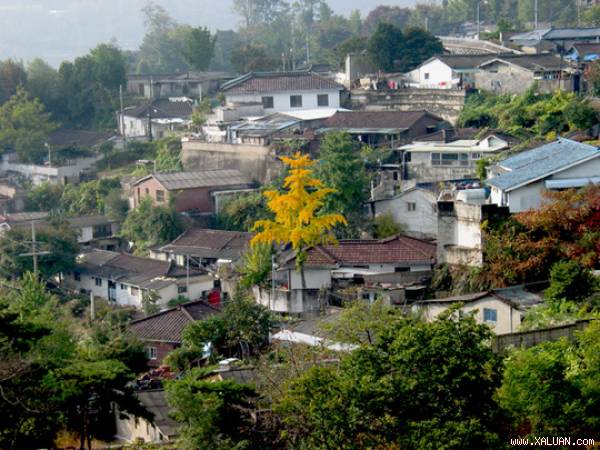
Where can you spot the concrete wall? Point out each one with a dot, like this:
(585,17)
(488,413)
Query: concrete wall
(162,350)
(254,161)
(422,222)
(305,303)
(503,78)
(446,103)
(37,174)
(508,318)
(134,428)
(281,100)
(459,234)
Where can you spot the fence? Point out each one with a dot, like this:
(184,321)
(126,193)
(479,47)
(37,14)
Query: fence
(526,339)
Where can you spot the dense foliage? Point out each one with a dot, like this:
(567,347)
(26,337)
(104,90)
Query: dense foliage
(529,114)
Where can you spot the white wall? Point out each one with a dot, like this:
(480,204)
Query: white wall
(134,428)
(281,100)
(315,279)
(509,319)
(440,75)
(420,223)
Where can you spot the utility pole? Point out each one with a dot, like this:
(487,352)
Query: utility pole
(307,52)
(535,14)
(478,22)
(92,306)
(34,250)
(187,276)
(122,118)
(150,111)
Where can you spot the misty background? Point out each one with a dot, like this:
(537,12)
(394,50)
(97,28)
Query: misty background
(58,30)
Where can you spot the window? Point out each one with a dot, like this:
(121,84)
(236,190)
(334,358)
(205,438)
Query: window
(141,89)
(99,231)
(401,269)
(490,315)
(295,101)
(160,196)
(411,206)
(435,159)
(76,276)
(123,287)
(395,176)
(98,281)
(267,102)
(151,353)
(134,291)
(426,75)
(147,191)
(322,100)
(464,159)
(181,289)
(475,155)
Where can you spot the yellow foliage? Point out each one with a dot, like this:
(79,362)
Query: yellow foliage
(296,208)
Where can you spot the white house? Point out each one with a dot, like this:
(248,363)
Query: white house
(446,71)
(348,260)
(123,278)
(283,91)
(502,309)
(415,209)
(449,154)
(520,181)
(157,117)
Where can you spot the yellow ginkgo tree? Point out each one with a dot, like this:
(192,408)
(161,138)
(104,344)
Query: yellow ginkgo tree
(296,208)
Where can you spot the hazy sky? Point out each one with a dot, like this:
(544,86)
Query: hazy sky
(56,30)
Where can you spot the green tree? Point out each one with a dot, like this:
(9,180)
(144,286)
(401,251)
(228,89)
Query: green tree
(384,226)
(252,58)
(115,206)
(43,197)
(89,197)
(385,45)
(212,414)
(418,45)
(57,239)
(43,83)
(199,47)
(256,266)
(569,280)
(242,323)
(150,225)
(24,127)
(552,388)
(12,76)
(342,169)
(418,385)
(168,156)
(241,212)
(150,300)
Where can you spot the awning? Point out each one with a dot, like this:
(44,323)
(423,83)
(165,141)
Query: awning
(571,182)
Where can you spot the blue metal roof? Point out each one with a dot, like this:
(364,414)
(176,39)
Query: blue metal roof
(542,161)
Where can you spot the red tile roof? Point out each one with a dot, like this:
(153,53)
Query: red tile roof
(207,243)
(396,249)
(167,326)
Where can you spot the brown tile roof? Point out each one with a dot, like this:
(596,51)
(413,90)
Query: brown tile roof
(207,243)
(167,326)
(146,273)
(81,138)
(162,109)
(376,119)
(198,179)
(396,249)
(256,82)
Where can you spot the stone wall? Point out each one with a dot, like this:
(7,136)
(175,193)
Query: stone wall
(255,161)
(446,103)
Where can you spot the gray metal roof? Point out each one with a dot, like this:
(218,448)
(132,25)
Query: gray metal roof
(198,179)
(540,162)
(572,33)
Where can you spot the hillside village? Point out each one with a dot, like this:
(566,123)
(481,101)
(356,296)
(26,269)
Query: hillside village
(392,245)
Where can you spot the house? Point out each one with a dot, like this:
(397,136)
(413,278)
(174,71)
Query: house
(460,217)
(351,259)
(161,332)
(582,53)
(260,131)
(502,309)
(389,128)
(446,72)
(546,38)
(189,190)
(156,118)
(415,209)
(65,138)
(162,429)
(12,196)
(284,91)
(514,74)
(122,278)
(518,182)
(189,84)
(97,230)
(204,248)
(449,154)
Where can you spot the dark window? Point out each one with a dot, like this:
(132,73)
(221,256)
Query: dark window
(77,276)
(141,89)
(151,353)
(296,101)
(123,287)
(160,196)
(401,269)
(98,281)
(268,102)
(147,191)
(322,100)
(411,206)
(395,176)
(181,289)
(490,315)
(426,76)
(100,231)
